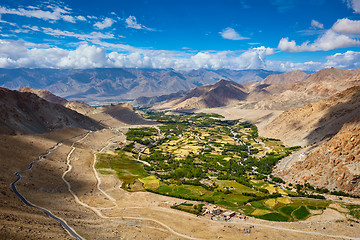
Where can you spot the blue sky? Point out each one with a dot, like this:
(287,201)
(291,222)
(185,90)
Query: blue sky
(280,35)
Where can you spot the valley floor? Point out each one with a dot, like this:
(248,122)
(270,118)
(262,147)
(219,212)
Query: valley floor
(102,210)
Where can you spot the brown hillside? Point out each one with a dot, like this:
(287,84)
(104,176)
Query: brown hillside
(80,107)
(23,112)
(220,94)
(316,87)
(315,121)
(334,165)
(285,78)
(44,94)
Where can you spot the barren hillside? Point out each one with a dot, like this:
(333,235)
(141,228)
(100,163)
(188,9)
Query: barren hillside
(315,121)
(285,78)
(220,94)
(45,94)
(334,165)
(316,87)
(23,112)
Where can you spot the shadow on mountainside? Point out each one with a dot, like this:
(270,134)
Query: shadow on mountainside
(42,185)
(344,107)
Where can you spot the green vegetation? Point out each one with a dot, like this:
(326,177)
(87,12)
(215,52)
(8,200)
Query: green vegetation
(287,210)
(141,135)
(126,169)
(274,217)
(190,208)
(354,210)
(202,157)
(301,213)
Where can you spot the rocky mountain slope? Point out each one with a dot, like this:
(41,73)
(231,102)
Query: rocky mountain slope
(334,164)
(220,94)
(117,84)
(286,78)
(23,112)
(315,87)
(78,106)
(316,121)
(44,94)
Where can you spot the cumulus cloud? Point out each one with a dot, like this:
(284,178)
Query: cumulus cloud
(354,4)
(328,41)
(315,24)
(108,22)
(54,13)
(20,54)
(131,22)
(231,34)
(84,56)
(349,59)
(347,26)
(14,54)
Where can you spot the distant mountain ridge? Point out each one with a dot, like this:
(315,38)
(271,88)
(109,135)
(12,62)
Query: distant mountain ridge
(117,84)
(219,94)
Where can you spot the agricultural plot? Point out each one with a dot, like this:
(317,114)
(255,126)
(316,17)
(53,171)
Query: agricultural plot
(201,157)
(284,209)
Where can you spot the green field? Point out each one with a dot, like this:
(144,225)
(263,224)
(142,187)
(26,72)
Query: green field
(201,157)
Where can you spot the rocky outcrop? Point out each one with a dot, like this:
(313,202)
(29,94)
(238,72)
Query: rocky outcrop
(334,165)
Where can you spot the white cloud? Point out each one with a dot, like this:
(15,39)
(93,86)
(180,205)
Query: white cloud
(55,14)
(132,23)
(84,57)
(349,59)
(81,18)
(108,22)
(15,54)
(12,49)
(22,54)
(328,41)
(231,34)
(347,26)
(315,24)
(354,4)
(93,35)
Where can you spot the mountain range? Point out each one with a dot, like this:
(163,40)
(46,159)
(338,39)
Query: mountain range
(276,92)
(118,84)
(320,108)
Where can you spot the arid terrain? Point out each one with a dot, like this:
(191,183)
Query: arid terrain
(94,205)
(102,210)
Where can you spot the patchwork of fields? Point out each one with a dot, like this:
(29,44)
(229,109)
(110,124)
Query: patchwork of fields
(201,157)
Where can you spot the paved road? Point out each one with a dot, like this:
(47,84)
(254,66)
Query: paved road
(63,223)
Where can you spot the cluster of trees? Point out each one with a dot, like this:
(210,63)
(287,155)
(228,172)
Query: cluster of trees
(265,164)
(197,208)
(303,194)
(141,135)
(258,198)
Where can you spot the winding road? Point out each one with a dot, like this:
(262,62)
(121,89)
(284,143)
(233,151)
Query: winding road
(63,223)
(98,212)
